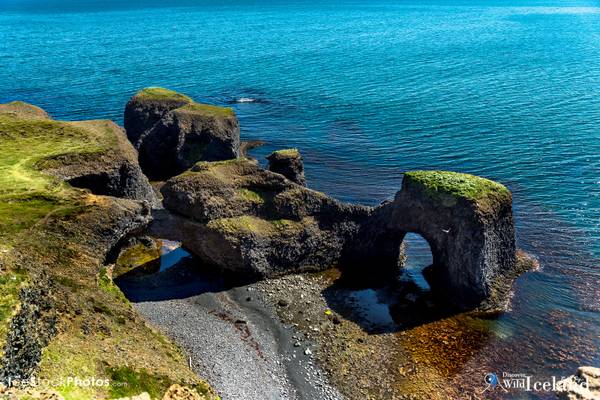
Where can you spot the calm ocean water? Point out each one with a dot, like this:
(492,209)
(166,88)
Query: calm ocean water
(505,89)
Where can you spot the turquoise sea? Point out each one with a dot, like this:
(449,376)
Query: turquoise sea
(506,89)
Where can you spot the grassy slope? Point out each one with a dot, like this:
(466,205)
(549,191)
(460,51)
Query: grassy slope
(99,333)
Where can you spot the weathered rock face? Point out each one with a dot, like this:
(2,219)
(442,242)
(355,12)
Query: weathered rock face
(256,223)
(289,164)
(468,224)
(172,132)
(583,386)
(146,108)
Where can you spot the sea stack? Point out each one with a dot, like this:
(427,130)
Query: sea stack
(172,132)
(288,163)
(468,223)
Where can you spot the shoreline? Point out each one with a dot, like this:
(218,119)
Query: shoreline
(240,347)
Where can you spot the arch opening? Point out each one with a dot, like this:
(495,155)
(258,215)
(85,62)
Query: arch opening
(417,257)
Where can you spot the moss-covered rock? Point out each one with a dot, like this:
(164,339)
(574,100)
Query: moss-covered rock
(257,223)
(289,163)
(67,318)
(468,223)
(172,132)
(91,154)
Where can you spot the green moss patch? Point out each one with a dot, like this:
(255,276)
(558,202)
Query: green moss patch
(254,225)
(469,187)
(161,94)
(251,195)
(207,110)
(287,153)
(138,255)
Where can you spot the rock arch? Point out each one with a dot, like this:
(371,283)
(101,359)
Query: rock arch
(466,220)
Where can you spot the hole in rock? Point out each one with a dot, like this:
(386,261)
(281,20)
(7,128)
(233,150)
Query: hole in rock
(417,257)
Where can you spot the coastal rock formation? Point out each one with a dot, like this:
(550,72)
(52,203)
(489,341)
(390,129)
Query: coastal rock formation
(257,223)
(468,224)
(289,164)
(109,167)
(56,239)
(172,132)
(113,172)
(583,386)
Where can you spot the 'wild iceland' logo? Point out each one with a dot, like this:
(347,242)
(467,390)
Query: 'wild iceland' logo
(492,382)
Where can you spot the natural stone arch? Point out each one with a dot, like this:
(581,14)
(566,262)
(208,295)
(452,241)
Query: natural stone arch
(466,220)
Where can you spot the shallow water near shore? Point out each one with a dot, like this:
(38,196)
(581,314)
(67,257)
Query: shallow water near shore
(504,89)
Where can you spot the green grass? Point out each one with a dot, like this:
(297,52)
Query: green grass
(27,194)
(470,187)
(287,152)
(251,195)
(207,109)
(158,94)
(10,285)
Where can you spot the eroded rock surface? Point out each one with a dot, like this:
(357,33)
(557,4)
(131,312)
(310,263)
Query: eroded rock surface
(289,164)
(257,223)
(468,224)
(172,132)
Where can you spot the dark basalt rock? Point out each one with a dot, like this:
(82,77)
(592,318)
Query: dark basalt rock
(468,224)
(257,223)
(172,132)
(289,164)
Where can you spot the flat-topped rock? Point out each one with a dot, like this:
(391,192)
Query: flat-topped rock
(23,110)
(172,132)
(288,163)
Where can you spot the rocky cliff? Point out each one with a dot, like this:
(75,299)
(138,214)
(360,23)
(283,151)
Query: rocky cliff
(61,314)
(172,132)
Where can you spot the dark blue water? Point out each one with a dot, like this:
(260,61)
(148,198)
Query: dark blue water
(505,89)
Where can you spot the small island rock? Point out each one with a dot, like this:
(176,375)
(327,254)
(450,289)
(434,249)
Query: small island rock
(289,164)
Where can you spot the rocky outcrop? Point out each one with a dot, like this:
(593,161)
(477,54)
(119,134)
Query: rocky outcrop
(172,132)
(108,167)
(585,385)
(20,109)
(110,172)
(468,224)
(257,223)
(289,164)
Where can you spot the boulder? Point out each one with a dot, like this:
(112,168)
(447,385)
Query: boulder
(172,132)
(289,164)
(468,223)
(256,223)
(585,385)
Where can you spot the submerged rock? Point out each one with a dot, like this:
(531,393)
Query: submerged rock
(172,132)
(257,223)
(289,164)
(468,223)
